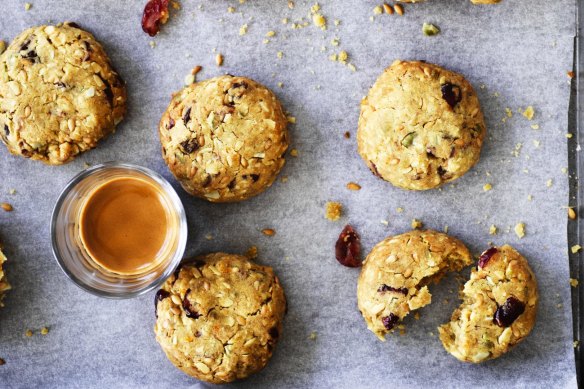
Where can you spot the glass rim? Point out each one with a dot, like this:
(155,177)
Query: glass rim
(182,233)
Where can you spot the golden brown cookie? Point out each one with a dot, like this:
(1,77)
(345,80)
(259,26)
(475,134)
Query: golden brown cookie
(220,317)
(4,285)
(224,138)
(420,126)
(396,273)
(498,309)
(59,94)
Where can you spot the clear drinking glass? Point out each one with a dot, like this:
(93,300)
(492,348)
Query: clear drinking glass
(78,264)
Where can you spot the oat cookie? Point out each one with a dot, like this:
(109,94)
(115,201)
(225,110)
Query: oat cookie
(219,317)
(396,273)
(472,1)
(58,94)
(420,126)
(4,285)
(224,138)
(498,309)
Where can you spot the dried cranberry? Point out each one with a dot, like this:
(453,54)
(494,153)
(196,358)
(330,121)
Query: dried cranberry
(160,295)
(190,145)
(189,310)
(389,321)
(486,256)
(187,116)
(451,93)
(507,313)
(348,248)
(155,13)
(387,288)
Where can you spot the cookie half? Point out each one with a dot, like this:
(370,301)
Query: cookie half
(396,273)
(224,138)
(498,309)
(220,317)
(420,126)
(4,285)
(59,94)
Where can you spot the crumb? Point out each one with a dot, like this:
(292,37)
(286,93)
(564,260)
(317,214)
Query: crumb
(399,9)
(294,153)
(549,183)
(219,59)
(520,230)
(12,191)
(189,79)
(281,84)
(529,112)
(152,44)
(487,187)
(576,248)
(7,207)
(268,232)
(493,229)
(529,197)
(319,20)
(290,4)
(535,126)
(353,186)
(28,333)
(252,252)
(417,224)
(280,54)
(417,315)
(196,70)
(230,10)
(576,343)
(2,362)
(388,9)
(445,229)
(343,56)
(399,210)
(378,10)
(209,236)
(44,331)
(509,112)
(571,214)
(336,22)
(243,30)
(347,135)
(333,210)
(27,6)
(429,29)
(291,119)
(384,222)
(312,335)
(573,282)
(571,74)
(569,135)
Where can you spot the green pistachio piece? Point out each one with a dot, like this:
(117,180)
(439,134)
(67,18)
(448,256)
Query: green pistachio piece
(430,29)
(408,139)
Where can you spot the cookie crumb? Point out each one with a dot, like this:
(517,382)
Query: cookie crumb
(294,153)
(535,126)
(243,30)
(520,230)
(28,333)
(209,236)
(388,9)
(384,222)
(430,30)
(549,183)
(487,187)
(399,9)
(347,135)
(576,343)
(333,210)
(291,119)
(252,252)
(27,6)
(529,112)
(576,248)
(445,229)
(569,135)
(571,214)
(378,10)
(529,197)
(353,186)
(231,9)
(493,230)
(219,59)
(417,224)
(399,209)
(573,282)
(189,79)
(268,232)
(312,335)
(7,207)
(44,331)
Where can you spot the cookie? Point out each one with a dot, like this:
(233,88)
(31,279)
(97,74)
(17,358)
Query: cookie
(4,285)
(224,138)
(396,273)
(472,1)
(420,126)
(498,309)
(220,317)
(58,94)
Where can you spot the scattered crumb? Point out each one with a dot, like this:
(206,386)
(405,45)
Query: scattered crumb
(333,211)
(243,30)
(294,153)
(2,362)
(284,179)
(573,282)
(520,230)
(353,186)
(319,20)
(509,112)
(290,4)
(28,333)
(12,191)
(231,9)
(312,335)
(189,79)
(378,10)
(493,229)
(7,207)
(268,232)
(571,214)
(384,222)
(347,135)
(529,112)
(280,54)
(219,59)
(252,252)
(417,315)
(27,6)
(196,70)
(571,74)
(549,183)
(535,126)
(399,210)
(576,343)
(569,135)
(417,224)
(430,30)
(209,236)
(487,187)
(445,229)
(291,119)
(529,197)
(44,331)
(576,248)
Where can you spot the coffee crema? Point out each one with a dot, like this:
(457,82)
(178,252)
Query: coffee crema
(124,225)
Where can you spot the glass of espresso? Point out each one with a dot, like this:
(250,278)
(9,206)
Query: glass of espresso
(118,230)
